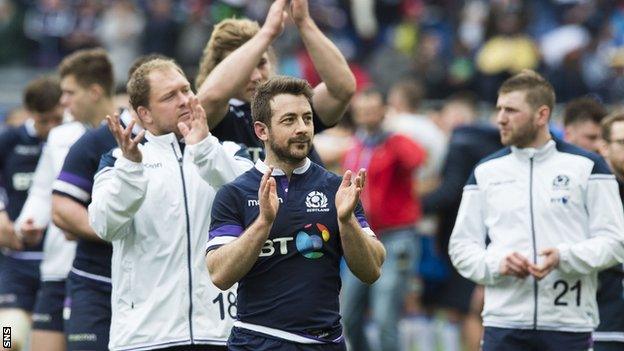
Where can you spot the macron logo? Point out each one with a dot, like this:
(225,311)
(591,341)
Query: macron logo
(252,203)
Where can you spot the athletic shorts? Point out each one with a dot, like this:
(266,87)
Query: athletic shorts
(495,339)
(19,283)
(454,291)
(248,340)
(48,313)
(89,304)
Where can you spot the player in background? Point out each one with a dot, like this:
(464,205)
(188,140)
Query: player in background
(85,76)
(20,149)
(609,336)
(554,219)
(239,57)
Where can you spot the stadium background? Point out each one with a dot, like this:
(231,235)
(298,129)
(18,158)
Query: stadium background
(451,46)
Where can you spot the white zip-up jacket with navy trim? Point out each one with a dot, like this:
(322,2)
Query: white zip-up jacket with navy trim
(527,200)
(157,215)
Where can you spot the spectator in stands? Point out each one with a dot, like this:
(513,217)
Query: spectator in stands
(393,211)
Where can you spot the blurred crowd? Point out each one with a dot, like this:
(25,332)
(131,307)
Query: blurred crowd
(451,45)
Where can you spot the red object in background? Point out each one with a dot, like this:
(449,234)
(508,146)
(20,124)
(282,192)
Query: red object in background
(362,78)
(388,197)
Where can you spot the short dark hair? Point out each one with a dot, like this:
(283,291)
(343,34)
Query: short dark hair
(607,124)
(261,102)
(89,66)
(138,86)
(539,92)
(583,109)
(42,94)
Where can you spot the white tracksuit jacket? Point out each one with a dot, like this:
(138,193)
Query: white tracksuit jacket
(157,216)
(527,200)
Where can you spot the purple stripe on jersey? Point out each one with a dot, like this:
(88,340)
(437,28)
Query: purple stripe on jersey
(362,220)
(80,201)
(76,180)
(226,230)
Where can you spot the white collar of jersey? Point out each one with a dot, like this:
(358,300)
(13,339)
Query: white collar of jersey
(236,102)
(262,167)
(535,153)
(30,128)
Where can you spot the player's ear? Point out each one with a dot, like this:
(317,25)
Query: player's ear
(145,117)
(261,130)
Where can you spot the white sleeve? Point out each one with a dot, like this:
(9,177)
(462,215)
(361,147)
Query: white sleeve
(467,244)
(218,164)
(117,195)
(38,205)
(605,247)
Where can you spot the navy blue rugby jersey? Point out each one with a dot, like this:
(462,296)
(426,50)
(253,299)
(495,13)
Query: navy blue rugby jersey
(20,149)
(237,126)
(93,259)
(295,283)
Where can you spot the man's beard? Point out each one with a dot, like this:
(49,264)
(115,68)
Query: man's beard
(285,154)
(522,137)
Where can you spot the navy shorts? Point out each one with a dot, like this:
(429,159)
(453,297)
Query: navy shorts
(89,304)
(48,313)
(503,339)
(19,283)
(247,340)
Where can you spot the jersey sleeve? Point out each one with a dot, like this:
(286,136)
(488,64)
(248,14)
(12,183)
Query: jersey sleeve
(605,245)
(226,219)
(76,177)
(319,126)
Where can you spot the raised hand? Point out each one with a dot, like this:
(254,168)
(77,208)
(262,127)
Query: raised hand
(196,129)
(348,194)
(299,10)
(550,262)
(129,146)
(267,197)
(31,234)
(515,265)
(274,22)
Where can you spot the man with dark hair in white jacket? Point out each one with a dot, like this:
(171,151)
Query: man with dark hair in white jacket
(554,218)
(153,201)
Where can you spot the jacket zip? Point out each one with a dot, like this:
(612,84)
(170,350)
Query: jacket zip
(534,245)
(188,241)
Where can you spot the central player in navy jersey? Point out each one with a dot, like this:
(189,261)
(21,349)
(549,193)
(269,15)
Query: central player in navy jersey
(239,56)
(20,150)
(284,242)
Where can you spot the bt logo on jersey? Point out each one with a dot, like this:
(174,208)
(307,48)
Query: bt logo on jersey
(308,242)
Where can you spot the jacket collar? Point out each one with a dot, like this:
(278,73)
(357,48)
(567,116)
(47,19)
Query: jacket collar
(262,168)
(535,153)
(164,140)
